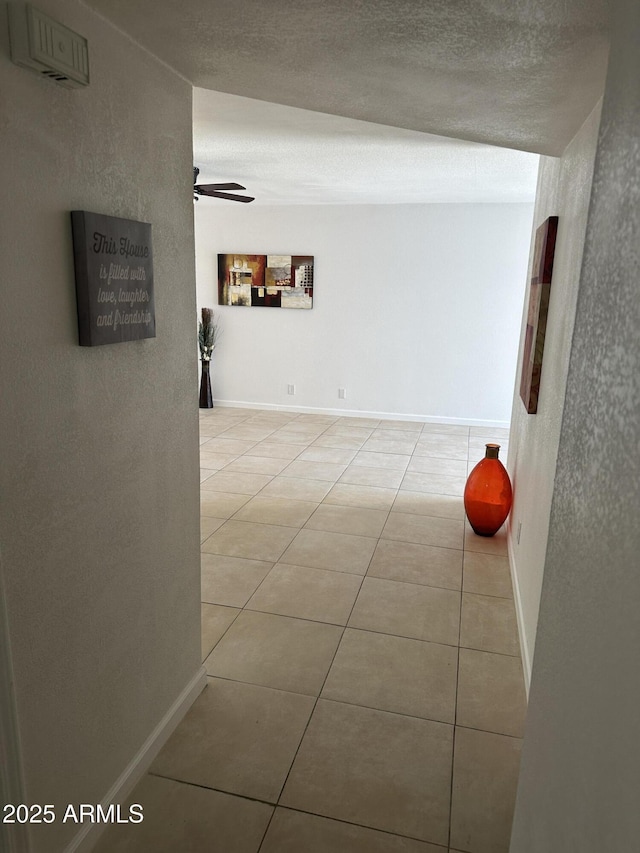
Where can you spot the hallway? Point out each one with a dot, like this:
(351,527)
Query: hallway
(365,691)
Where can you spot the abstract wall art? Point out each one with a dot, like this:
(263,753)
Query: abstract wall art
(270,281)
(540,289)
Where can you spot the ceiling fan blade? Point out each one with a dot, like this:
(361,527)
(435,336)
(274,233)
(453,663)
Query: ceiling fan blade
(229,196)
(221,187)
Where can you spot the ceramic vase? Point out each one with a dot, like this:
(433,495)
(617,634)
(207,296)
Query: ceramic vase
(206,395)
(487,494)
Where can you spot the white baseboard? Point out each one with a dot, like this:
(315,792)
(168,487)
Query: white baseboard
(88,836)
(357,413)
(517,598)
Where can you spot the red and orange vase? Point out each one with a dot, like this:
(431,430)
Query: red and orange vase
(488,495)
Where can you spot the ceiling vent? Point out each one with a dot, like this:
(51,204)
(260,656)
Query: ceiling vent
(45,46)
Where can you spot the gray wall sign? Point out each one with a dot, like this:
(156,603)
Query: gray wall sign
(114,279)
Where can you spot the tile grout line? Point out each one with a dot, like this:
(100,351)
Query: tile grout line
(455,710)
(317,699)
(275,805)
(353,627)
(378,538)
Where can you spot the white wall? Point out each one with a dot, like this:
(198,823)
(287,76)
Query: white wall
(564,186)
(99,468)
(416,308)
(579,785)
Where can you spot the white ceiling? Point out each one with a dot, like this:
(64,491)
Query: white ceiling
(285,155)
(523,74)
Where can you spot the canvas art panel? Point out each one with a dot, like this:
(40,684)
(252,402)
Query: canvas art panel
(538,309)
(113,261)
(270,281)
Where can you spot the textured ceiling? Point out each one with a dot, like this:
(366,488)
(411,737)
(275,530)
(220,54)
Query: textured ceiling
(285,155)
(519,73)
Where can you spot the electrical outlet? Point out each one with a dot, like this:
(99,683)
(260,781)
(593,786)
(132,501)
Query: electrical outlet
(519,531)
(291,389)
(342,394)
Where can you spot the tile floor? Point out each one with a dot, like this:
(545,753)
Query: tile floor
(365,690)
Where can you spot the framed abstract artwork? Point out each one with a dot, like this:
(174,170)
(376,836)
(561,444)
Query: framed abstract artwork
(270,281)
(540,289)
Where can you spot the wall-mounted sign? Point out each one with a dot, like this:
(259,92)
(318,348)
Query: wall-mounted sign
(274,281)
(114,279)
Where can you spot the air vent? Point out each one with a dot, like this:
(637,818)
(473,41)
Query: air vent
(47,47)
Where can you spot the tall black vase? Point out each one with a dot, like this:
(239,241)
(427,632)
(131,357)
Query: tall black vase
(206,397)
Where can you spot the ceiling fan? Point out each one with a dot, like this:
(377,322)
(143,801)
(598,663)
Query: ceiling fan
(215,190)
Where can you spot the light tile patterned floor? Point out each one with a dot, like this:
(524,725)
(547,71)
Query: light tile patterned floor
(365,690)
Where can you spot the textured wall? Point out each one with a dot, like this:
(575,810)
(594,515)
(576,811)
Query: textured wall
(579,788)
(416,307)
(99,513)
(564,187)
